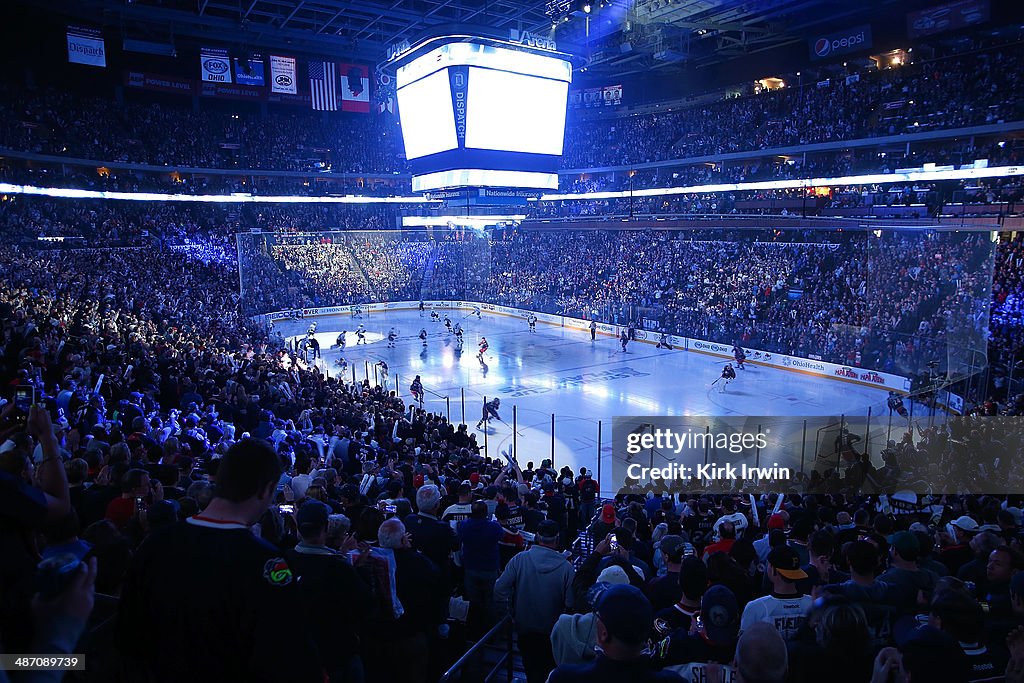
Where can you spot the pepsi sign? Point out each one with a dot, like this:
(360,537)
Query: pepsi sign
(842,42)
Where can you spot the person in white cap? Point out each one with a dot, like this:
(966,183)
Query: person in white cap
(961,530)
(574,636)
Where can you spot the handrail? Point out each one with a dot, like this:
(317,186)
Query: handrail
(506,659)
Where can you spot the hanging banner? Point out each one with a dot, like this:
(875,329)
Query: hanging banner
(215,65)
(853,39)
(85,46)
(249,71)
(282,75)
(947,17)
(355,87)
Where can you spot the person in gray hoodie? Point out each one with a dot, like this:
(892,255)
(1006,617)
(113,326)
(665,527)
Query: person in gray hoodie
(537,587)
(574,636)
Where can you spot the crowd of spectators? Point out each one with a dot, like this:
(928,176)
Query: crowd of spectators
(957,91)
(57,122)
(946,92)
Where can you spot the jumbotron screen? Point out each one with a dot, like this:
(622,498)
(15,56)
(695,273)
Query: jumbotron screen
(483,116)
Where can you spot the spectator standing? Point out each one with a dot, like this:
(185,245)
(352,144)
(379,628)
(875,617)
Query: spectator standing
(623,623)
(785,609)
(537,585)
(178,622)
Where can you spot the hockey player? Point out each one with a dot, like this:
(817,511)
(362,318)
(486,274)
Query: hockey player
(728,375)
(423,336)
(663,342)
(341,363)
(624,339)
(483,349)
(421,308)
(341,340)
(448,324)
(458,336)
(739,355)
(357,311)
(631,330)
(312,329)
(476,312)
(490,410)
(593,330)
(434,316)
(383,373)
(360,335)
(392,336)
(532,320)
(314,345)
(416,389)
(895,403)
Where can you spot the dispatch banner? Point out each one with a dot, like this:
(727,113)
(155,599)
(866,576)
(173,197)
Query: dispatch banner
(86,46)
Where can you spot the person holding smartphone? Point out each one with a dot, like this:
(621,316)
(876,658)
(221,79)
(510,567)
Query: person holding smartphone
(24,508)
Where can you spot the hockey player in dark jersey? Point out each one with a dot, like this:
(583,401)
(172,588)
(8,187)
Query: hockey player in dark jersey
(663,342)
(383,373)
(490,410)
(624,339)
(448,324)
(483,349)
(392,336)
(423,337)
(416,389)
(532,320)
(728,375)
(895,403)
(739,355)
(340,342)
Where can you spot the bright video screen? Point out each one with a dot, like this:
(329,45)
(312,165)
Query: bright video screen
(514,112)
(428,120)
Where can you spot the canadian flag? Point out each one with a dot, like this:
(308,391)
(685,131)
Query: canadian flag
(355,88)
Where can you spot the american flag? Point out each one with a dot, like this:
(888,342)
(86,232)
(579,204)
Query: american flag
(323,85)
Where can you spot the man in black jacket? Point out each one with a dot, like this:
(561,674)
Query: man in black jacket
(335,599)
(206,600)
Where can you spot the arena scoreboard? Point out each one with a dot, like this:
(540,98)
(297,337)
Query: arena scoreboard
(477,113)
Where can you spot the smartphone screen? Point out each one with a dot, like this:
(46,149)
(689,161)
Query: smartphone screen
(287,508)
(24,397)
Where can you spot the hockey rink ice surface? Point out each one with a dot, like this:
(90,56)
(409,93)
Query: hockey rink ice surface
(559,370)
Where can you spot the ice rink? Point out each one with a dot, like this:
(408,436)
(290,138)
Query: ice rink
(560,371)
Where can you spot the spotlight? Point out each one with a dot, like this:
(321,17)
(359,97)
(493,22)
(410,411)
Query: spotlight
(586,8)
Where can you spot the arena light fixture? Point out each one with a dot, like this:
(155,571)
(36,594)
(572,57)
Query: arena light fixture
(869,179)
(234,198)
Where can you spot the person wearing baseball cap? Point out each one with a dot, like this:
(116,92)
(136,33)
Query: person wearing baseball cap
(624,618)
(689,651)
(605,522)
(961,530)
(785,608)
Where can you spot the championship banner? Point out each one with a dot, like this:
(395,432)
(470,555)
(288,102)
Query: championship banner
(86,46)
(355,87)
(249,71)
(215,65)
(282,75)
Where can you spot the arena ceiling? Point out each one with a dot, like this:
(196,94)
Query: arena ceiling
(617,36)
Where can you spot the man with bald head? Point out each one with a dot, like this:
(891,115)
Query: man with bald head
(402,645)
(761,655)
